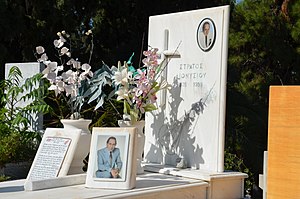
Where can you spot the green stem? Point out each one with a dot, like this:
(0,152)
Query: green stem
(115,108)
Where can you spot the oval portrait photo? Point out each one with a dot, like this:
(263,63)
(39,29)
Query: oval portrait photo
(206,34)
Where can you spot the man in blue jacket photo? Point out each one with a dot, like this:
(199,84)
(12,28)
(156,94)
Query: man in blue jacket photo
(109,160)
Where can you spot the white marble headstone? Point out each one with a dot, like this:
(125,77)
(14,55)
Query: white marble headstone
(28,70)
(190,123)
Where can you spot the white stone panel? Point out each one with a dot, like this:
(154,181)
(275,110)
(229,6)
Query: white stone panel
(190,123)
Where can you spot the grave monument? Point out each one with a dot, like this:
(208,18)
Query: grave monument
(188,130)
(190,123)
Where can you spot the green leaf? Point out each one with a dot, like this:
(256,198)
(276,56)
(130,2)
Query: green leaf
(126,109)
(96,94)
(100,103)
(150,107)
(134,115)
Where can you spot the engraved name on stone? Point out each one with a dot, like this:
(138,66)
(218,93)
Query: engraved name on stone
(191,75)
(50,158)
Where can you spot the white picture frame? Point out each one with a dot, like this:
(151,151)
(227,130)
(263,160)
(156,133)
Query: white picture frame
(125,144)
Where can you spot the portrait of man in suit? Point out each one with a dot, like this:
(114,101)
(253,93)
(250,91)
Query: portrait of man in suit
(109,160)
(206,35)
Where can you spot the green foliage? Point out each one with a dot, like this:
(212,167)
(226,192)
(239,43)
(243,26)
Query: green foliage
(109,115)
(4,178)
(234,163)
(17,142)
(263,51)
(13,95)
(294,26)
(94,88)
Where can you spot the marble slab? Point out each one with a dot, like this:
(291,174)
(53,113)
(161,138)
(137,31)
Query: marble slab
(149,185)
(190,122)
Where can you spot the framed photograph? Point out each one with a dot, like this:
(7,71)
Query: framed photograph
(112,159)
(206,34)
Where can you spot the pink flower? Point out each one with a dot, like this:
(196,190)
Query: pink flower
(141,88)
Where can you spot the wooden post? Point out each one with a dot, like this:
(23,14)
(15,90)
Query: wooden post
(284,143)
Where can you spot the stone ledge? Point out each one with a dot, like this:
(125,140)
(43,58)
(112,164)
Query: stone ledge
(148,185)
(193,173)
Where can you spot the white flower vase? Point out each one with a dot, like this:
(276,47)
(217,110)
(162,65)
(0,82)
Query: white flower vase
(140,141)
(83,146)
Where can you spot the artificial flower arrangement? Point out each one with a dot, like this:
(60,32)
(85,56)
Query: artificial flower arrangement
(71,79)
(138,88)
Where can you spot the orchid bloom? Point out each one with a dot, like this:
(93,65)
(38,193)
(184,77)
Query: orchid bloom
(71,90)
(58,43)
(87,72)
(66,77)
(120,77)
(122,93)
(139,86)
(64,50)
(40,50)
(58,88)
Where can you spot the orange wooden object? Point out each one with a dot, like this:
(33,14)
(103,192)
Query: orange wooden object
(283,172)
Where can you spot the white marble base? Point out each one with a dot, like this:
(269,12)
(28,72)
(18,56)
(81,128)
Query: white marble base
(55,182)
(226,185)
(222,185)
(148,186)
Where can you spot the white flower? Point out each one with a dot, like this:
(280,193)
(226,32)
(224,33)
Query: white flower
(58,43)
(64,50)
(164,84)
(122,93)
(68,54)
(70,62)
(43,58)
(120,77)
(86,68)
(40,49)
(69,77)
(58,88)
(71,90)
(88,32)
(51,77)
(59,68)
(76,64)
(51,67)
(65,82)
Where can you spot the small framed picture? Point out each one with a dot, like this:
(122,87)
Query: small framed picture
(206,34)
(112,159)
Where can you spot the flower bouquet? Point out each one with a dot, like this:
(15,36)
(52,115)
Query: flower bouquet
(74,81)
(138,87)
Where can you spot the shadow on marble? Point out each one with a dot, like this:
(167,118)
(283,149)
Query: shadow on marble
(155,183)
(11,189)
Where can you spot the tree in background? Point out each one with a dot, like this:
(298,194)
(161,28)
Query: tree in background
(119,27)
(263,51)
